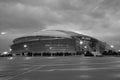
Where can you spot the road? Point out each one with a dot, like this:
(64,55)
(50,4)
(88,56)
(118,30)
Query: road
(60,68)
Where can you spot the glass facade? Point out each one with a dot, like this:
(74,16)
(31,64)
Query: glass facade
(48,44)
(51,46)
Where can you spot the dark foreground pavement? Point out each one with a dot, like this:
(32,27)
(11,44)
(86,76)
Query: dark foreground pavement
(60,68)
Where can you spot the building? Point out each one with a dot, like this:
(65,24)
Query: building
(57,42)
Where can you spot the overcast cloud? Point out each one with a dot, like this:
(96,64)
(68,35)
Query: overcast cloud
(97,18)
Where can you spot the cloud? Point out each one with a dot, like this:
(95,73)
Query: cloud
(98,18)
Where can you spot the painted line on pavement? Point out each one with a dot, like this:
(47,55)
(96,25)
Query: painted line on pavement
(24,72)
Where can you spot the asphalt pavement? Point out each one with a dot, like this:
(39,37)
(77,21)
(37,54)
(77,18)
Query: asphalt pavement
(60,68)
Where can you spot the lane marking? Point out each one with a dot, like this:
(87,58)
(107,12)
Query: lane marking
(69,64)
(41,66)
(24,72)
(76,69)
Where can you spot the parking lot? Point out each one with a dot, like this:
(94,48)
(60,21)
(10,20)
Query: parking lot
(60,68)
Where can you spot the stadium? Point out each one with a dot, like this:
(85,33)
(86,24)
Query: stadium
(56,43)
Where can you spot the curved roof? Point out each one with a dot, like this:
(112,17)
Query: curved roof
(51,34)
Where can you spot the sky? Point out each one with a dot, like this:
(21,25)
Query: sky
(96,18)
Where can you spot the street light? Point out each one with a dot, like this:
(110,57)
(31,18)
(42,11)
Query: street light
(118,50)
(26,50)
(5,53)
(2,33)
(112,46)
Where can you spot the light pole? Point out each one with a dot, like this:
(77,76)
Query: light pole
(26,48)
(81,46)
(85,49)
(3,33)
(112,46)
(5,53)
(119,50)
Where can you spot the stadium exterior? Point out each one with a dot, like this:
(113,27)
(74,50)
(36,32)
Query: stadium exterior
(58,43)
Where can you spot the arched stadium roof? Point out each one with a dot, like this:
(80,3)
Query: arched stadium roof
(52,34)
